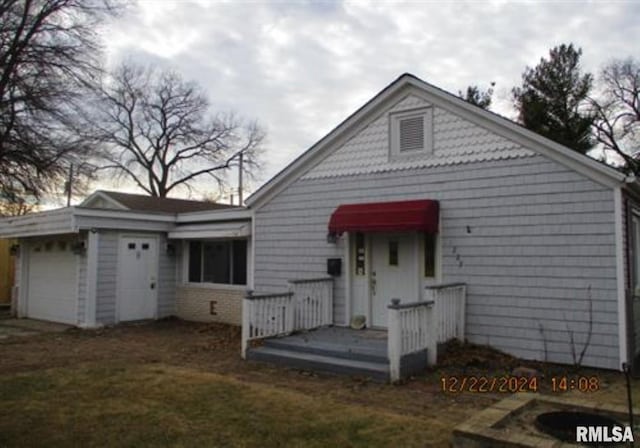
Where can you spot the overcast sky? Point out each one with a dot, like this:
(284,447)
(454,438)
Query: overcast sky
(300,68)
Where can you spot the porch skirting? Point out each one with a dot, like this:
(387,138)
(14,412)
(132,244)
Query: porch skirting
(203,304)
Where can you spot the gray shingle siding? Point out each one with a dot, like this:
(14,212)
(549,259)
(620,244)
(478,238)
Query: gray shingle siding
(541,234)
(166,280)
(106,288)
(82,287)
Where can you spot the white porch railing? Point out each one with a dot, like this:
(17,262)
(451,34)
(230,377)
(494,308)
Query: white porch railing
(449,302)
(266,315)
(417,326)
(308,304)
(313,299)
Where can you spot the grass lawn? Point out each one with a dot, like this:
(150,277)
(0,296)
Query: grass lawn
(175,383)
(160,405)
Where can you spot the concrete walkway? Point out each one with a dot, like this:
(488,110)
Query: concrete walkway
(28,327)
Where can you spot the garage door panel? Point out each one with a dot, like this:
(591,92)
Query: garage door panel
(52,284)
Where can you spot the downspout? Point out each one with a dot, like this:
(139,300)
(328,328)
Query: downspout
(620,277)
(622,261)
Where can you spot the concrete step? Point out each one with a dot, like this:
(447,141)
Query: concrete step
(315,362)
(330,349)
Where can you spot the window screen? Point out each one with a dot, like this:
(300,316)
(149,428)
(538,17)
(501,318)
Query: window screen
(195,261)
(240,262)
(215,261)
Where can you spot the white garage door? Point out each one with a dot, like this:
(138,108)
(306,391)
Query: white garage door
(52,282)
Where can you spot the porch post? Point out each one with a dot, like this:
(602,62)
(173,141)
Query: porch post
(246,324)
(432,334)
(462,316)
(394,340)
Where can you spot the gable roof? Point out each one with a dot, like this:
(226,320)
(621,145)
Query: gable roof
(143,203)
(589,167)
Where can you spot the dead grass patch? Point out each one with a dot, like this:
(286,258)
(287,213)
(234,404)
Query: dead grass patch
(161,405)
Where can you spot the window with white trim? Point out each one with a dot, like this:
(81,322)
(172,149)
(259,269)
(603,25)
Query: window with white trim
(429,255)
(218,261)
(411,132)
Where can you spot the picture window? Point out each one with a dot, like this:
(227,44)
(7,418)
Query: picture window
(223,262)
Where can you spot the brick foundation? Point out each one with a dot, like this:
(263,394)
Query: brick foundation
(195,304)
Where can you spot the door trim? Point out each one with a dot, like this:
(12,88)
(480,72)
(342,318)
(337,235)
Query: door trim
(156,269)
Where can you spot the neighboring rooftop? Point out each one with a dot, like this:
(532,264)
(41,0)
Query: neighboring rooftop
(143,203)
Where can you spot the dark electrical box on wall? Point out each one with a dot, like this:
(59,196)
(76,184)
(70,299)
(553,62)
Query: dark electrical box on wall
(334,266)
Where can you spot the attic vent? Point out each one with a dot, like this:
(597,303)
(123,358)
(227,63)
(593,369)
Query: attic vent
(411,133)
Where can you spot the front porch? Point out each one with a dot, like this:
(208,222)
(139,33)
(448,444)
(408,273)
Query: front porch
(329,349)
(296,329)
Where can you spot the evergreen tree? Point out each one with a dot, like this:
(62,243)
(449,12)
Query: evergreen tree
(478,97)
(552,99)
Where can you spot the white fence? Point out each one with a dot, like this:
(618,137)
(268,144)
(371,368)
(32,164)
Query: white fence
(413,327)
(308,304)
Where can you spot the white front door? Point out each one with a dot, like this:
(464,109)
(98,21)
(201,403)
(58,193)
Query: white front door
(394,273)
(137,279)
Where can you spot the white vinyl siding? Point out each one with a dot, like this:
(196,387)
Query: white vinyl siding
(107,277)
(167,277)
(541,234)
(82,287)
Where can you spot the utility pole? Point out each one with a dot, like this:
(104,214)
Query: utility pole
(240,198)
(69,185)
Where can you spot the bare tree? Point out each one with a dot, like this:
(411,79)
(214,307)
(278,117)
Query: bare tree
(161,135)
(617,112)
(18,207)
(49,54)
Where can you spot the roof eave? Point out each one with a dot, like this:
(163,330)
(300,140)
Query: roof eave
(583,164)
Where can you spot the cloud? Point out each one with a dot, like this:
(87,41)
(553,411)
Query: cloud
(301,68)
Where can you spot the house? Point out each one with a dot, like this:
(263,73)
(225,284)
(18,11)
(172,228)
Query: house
(420,195)
(121,257)
(421,217)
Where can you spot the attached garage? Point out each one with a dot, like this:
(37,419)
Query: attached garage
(52,282)
(115,258)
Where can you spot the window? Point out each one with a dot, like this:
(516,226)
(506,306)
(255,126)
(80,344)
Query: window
(410,132)
(393,253)
(429,255)
(223,262)
(361,264)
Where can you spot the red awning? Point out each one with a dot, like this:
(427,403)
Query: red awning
(386,217)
